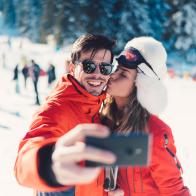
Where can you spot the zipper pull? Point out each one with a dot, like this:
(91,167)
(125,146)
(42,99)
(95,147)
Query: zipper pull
(166,140)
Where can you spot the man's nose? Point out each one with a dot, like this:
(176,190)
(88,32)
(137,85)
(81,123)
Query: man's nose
(97,70)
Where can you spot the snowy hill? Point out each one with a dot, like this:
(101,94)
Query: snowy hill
(16,111)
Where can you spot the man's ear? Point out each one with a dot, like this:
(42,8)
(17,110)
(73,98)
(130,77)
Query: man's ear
(71,68)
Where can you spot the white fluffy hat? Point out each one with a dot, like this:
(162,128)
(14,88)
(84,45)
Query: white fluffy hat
(151,92)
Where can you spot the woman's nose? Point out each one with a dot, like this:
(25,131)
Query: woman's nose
(113,76)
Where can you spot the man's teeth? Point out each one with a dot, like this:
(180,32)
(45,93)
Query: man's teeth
(94,83)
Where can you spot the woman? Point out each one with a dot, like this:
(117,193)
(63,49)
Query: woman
(137,95)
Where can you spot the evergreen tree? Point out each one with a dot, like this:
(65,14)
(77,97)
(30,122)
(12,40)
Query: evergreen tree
(92,16)
(65,21)
(1,5)
(23,9)
(181,33)
(112,21)
(158,10)
(9,13)
(134,20)
(35,15)
(47,19)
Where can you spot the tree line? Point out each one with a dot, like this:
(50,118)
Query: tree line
(171,22)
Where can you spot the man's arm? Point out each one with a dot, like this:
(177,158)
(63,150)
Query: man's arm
(42,133)
(45,132)
(47,126)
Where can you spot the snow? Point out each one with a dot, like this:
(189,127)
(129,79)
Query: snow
(16,111)
(180,115)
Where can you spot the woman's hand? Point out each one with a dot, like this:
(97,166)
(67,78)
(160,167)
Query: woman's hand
(117,192)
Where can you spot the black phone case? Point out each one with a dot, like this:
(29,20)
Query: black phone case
(131,150)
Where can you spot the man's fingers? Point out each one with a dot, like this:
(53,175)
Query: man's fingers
(81,131)
(80,152)
(70,149)
(69,174)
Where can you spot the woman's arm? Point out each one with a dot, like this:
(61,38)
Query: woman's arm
(166,169)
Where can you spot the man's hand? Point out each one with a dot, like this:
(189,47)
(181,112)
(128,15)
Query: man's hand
(117,192)
(70,150)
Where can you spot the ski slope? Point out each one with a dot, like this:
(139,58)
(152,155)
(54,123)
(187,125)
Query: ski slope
(16,111)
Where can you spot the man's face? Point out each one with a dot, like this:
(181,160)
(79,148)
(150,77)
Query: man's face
(94,82)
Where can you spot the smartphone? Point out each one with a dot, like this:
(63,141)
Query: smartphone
(131,150)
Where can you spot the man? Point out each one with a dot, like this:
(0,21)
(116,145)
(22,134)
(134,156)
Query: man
(51,74)
(16,79)
(50,155)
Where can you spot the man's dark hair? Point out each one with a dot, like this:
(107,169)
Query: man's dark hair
(92,42)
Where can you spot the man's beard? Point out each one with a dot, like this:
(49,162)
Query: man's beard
(95,93)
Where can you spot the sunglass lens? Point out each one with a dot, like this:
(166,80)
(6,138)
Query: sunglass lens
(106,68)
(88,66)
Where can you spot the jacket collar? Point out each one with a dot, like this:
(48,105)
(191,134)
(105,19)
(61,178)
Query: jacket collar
(83,91)
(69,89)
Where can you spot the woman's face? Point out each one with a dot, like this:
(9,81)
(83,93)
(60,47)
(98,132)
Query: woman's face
(122,82)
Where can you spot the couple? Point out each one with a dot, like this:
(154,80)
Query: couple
(51,155)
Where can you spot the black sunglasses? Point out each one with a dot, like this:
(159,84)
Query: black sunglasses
(89,67)
(131,58)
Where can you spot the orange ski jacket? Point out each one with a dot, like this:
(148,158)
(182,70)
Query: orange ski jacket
(161,178)
(68,105)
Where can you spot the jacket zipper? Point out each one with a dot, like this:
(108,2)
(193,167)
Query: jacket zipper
(127,181)
(141,180)
(171,153)
(133,180)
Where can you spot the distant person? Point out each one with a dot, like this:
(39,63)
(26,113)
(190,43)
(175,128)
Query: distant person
(25,69)
(51,74)
(3,57)
(194,77)
(35,73)
(9,43)
(21,44)
(25,73)
(15,78)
